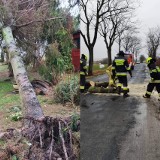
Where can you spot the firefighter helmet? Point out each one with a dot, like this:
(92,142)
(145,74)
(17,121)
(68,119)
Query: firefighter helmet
(84,57)
(148,60)
(121,53)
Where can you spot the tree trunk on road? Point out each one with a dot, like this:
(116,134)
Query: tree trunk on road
(31,106)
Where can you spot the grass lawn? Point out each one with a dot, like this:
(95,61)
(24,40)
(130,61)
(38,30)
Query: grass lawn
(97,70)
(8,100)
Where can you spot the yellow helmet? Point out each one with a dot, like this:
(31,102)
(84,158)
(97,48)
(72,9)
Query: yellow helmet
(86,57)
(148,60)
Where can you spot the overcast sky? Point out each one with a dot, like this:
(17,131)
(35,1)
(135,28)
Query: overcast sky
(149,16)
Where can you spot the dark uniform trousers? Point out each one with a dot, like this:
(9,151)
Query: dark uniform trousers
(150,88)
(83,72)
(122,80)
(155,80)
(82,83)
(120,68)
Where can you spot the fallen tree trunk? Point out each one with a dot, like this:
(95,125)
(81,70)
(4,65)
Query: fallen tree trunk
(43,133)
(102,90)
(31,106)
(88,84)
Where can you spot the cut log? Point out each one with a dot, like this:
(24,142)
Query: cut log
(88,84)
(101,84)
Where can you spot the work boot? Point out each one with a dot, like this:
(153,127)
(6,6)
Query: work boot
(126,95)
(119,90)
(146,96)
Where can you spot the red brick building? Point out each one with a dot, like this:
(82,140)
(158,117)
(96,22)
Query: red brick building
(76,51)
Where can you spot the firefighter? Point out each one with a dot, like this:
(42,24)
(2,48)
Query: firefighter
(120,67)
(155,77)
(83,72)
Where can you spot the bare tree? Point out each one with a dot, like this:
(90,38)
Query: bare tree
(153,41)
(91,12)
(131,42)
(128,25)
(115,22)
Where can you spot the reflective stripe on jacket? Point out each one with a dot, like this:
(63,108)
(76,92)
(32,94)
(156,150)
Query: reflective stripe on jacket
(120,66)
(83,67)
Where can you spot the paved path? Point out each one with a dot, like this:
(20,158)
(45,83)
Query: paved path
(116,128)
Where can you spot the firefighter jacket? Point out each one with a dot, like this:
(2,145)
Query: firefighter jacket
(120,66)
(154,73)
(83,66)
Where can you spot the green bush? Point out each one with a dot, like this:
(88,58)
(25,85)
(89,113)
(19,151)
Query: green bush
(68,91)
(74,122)
(54,64)
(64,39)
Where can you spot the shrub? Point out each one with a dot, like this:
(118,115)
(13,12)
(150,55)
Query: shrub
(54,65)
(75,118)
(68,91)
(64,39)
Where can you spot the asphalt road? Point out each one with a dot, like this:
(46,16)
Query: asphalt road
(113,127)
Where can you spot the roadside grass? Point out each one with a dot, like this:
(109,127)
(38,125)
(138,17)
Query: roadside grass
(97,70)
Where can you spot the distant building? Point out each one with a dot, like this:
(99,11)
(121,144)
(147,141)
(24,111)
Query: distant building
(76,51)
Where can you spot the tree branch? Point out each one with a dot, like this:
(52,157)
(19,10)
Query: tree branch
(35,21)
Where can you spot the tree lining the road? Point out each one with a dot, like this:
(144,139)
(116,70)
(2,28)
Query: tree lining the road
(107,16)
(131,42)
(117,21)
(153,41)
(91,19)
